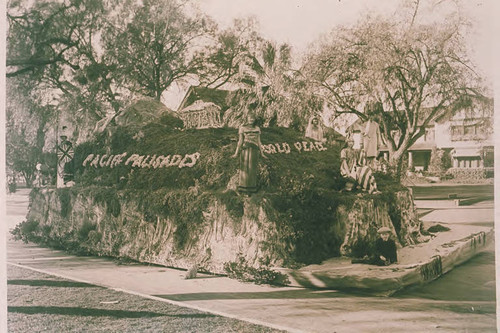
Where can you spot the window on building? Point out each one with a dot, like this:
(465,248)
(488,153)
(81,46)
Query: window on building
(470,130)
(489,158)
(469,162)
(457,132)
(429,134)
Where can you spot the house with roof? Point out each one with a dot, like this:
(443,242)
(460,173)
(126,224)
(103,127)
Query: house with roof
(464,137)
(204,107)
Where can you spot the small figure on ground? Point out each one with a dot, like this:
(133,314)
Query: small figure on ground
(38,175)
(251,148)
(314,130)
(192,272)
(385,250)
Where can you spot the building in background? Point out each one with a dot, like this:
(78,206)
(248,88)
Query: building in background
(204,107)
(465,139)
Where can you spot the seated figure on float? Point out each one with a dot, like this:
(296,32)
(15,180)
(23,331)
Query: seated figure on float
(385,251)
(353,167)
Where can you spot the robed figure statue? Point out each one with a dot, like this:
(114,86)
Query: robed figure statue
(250,148)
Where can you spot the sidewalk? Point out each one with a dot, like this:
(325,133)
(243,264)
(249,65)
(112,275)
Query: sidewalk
(453,204)
(445,183)
(446,211)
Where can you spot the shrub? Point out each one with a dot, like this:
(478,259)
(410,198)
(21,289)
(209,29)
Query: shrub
(233,203)
(242,271)
(85,229)
(440,162)
(108,197)
(438,228)
(467,174)
(27,231)
(489,173)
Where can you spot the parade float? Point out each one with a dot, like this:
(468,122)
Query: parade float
(161,194)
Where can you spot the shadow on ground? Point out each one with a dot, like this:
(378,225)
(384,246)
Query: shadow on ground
(282,294)
(51,283)
(96,312)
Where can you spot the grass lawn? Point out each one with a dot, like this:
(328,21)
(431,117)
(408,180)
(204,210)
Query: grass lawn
(43,303)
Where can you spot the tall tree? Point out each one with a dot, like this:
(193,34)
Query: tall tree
(403,78)
(231,49)
(266,78)
(27,124)
(57,45)
(157,45)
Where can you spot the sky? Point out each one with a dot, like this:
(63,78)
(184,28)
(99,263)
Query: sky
(301,22)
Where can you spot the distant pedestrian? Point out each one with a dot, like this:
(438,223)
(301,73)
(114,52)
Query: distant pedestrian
(38,175)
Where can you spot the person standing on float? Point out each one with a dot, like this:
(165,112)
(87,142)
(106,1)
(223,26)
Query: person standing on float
(250,146)
(371,135)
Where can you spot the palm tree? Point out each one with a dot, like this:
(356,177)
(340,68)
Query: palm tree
(266,79)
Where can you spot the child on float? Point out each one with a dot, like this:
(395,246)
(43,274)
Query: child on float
(385,252)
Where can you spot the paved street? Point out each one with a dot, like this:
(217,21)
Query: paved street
(461,301)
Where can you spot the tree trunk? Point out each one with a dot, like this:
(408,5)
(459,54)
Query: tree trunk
(366,216)
(397,159)
(40,134)
(28,178)
(396,162)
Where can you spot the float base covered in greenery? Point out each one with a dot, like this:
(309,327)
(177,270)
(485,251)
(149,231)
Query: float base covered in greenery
(193,215)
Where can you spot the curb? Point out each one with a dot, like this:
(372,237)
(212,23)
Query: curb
(165,300)
(385,281)
(471,201)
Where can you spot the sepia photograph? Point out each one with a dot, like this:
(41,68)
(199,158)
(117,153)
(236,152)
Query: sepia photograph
(320,166)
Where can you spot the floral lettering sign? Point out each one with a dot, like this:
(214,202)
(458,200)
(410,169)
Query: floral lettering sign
(142,161)
(285,148)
